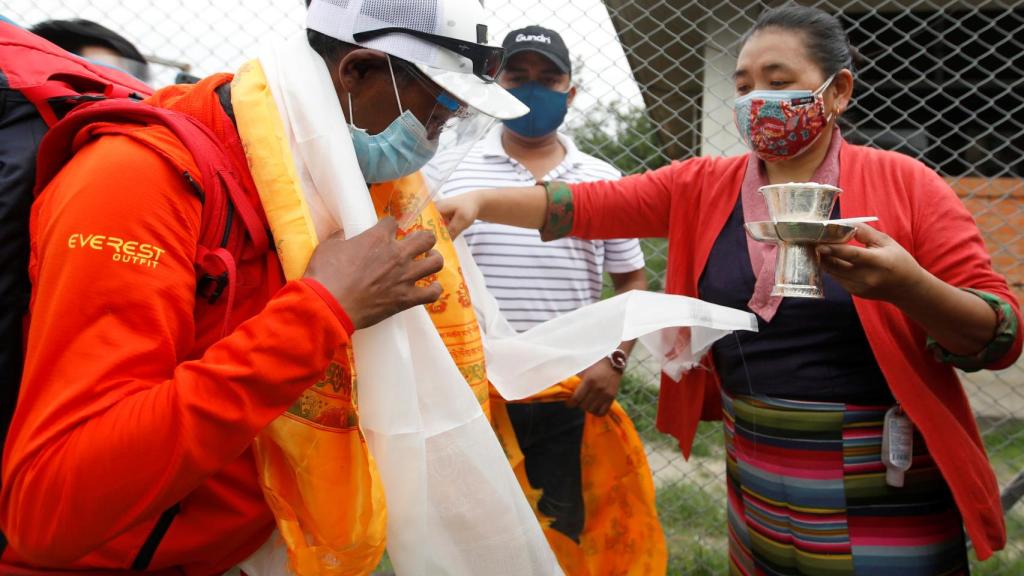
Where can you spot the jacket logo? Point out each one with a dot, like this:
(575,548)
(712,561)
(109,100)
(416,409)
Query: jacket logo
(533,38)
(127,251)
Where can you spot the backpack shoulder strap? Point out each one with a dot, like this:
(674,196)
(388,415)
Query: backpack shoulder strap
(217,184)
(219,187)
(61,143)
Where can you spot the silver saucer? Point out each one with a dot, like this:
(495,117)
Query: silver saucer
(797,264)
(801,232)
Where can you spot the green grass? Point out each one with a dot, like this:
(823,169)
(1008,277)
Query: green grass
(384,568)
(709,441)
(1004,441)
(639,398)
(656,258)
(1009,561)
(996,567)
(694,526)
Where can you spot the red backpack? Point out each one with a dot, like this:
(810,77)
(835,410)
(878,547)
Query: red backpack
(47,96)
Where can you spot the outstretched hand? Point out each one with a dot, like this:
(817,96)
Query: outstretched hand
(880,270)
(459,212)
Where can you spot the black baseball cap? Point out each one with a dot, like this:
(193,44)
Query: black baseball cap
(541,40)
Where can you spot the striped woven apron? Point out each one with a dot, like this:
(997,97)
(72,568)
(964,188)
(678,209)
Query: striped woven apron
(807,495)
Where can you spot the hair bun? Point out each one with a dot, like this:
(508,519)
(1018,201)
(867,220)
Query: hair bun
(857,60)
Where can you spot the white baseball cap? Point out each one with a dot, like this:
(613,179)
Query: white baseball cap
(444,39)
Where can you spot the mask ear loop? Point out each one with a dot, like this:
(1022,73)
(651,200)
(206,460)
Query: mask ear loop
(398,99)
(351,116)
(819,93)
(824,86)
(394,84)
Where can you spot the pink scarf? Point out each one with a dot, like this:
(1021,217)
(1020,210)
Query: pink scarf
(762,254)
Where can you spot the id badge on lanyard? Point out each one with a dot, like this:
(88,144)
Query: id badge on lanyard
(897,445)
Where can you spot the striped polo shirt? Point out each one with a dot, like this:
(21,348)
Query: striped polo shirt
(532,280)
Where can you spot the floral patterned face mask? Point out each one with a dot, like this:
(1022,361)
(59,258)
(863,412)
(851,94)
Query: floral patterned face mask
(781,124)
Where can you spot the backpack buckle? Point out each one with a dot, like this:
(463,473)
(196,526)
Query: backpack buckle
(211,287)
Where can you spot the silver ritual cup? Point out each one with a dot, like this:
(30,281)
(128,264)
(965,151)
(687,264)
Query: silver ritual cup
(800,202)
(797,264)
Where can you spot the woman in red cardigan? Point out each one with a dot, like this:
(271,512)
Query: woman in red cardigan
(804,400)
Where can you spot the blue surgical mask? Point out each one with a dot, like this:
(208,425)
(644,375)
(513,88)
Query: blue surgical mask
(399,150)
(547,110)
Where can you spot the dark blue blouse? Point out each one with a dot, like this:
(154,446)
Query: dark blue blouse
(811,350)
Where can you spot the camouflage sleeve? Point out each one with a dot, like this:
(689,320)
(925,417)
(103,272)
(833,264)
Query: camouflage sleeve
(558,222)
(1002,341)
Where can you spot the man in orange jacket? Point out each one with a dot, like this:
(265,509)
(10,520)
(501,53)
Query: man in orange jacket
(130,448)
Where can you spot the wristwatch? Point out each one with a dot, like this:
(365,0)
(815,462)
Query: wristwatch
(618,358)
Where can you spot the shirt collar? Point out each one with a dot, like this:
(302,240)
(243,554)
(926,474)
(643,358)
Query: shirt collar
(492,143)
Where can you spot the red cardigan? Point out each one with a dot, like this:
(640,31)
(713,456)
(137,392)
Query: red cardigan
(689,202)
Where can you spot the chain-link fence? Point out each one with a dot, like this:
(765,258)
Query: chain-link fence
(941,81)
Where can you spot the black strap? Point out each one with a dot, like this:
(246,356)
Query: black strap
(224,97)
(149,547)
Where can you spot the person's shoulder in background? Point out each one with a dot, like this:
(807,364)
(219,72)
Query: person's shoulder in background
(588,166)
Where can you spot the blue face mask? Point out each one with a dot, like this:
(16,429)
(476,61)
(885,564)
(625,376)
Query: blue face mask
(399,150)
(547,110)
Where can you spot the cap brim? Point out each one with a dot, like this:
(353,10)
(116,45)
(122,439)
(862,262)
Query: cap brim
(487,97)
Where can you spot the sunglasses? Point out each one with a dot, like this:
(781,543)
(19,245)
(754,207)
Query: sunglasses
(455,108)
(487,60)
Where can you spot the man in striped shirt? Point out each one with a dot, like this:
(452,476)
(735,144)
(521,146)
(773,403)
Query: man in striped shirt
(534,281)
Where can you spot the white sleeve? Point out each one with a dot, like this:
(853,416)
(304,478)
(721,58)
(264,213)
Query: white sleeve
(621,256)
